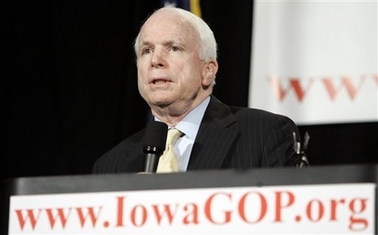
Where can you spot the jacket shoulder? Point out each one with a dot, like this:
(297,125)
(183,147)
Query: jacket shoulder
(124,154)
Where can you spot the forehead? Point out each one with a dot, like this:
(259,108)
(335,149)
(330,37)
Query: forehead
(167,26)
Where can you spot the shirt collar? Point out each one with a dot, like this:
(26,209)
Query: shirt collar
(191,122)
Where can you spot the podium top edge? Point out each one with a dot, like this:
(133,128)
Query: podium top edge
(192,179)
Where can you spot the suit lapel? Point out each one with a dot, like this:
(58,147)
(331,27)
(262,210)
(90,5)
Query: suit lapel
(215,138)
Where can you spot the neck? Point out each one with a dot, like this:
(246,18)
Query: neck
(172,115)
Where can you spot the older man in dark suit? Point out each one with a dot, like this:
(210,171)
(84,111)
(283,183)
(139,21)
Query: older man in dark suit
(177,64)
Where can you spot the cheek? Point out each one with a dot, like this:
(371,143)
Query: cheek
(190,79)
(192,73)
(141,74)
(142,84)
(141,89)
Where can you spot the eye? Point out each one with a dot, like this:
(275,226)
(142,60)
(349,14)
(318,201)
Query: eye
(175,48)
(146,51)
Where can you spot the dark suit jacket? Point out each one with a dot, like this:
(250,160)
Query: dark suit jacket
(229,137)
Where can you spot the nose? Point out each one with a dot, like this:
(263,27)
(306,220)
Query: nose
(157,59)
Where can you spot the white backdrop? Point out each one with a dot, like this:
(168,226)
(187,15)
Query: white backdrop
(315,61)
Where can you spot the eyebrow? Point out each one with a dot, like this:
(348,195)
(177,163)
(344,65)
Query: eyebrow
(167,43)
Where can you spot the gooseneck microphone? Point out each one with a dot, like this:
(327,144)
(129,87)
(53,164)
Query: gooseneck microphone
(154,144)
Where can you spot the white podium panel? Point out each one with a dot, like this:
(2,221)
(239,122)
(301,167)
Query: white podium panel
(316,200)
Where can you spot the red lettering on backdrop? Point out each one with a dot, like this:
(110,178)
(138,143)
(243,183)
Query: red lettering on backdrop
(29,217)
(294,84)
(242,207)
(280,205)
(62,217)
(277,88)
(209,209)
(346,82)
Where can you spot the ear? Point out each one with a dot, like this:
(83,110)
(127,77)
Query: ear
(209,72)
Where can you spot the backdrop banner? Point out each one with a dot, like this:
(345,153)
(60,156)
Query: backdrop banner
(315,61)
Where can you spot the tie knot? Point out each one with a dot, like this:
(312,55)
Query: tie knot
(173,135)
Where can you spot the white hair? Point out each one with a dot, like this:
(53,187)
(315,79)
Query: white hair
(208,44)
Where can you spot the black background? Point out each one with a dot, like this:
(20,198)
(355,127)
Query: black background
(69,92)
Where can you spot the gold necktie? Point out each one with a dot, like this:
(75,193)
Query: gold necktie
(168,162)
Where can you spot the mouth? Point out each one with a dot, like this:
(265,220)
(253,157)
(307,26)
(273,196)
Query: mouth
(159,81)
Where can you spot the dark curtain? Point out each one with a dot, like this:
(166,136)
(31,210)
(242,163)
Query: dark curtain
(69,93)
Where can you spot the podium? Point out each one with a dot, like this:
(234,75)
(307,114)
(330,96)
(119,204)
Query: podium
(323,199)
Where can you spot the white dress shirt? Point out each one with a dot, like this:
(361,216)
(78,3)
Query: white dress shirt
(189,126)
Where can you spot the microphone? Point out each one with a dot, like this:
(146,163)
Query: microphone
(154,144)
(302,160)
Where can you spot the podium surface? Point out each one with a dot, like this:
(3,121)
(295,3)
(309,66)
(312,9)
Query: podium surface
(222,201)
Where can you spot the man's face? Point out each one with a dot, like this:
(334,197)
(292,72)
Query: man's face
(170,71)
